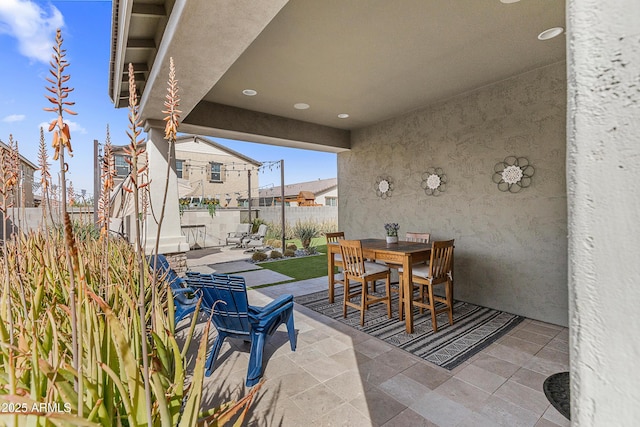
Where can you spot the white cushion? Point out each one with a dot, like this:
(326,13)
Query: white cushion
(373,268)
(420,269)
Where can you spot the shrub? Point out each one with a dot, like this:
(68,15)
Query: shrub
(274,243)
(305,231)
(275,254)
(290,252)
(256,224)
(259,256)
(292,246)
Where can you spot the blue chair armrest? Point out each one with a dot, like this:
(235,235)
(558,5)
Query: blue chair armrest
(183,291)
(261,312)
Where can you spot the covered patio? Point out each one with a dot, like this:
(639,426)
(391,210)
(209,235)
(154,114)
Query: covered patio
(342,376)
(398,89)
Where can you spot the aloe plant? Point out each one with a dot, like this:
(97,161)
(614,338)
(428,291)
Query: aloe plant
(84,339)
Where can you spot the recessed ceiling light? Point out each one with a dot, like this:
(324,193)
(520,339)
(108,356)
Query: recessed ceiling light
(249,92)
(550,33)
(509,1)
(300,106)
(343,116)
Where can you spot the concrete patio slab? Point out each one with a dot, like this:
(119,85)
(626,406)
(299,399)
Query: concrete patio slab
(262,277)
(233,267)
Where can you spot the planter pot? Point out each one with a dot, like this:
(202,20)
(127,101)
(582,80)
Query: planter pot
(392,239)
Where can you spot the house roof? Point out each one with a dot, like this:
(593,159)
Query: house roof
(23,158)
(292,190)
(186,138)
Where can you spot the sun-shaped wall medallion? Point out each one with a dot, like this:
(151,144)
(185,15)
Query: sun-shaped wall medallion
(384,186)
(513,174)
(434,181)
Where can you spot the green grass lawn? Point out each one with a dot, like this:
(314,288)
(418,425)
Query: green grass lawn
(301,268)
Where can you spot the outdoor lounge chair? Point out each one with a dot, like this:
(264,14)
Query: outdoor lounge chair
(226,298)
(241,233)
(185,298)
(256,240)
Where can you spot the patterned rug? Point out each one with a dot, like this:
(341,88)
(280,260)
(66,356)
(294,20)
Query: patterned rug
(474,327)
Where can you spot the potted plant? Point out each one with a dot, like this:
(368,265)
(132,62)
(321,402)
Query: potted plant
(392,232)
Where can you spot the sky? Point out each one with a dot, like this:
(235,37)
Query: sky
(27,35)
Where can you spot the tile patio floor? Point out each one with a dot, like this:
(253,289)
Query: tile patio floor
(339,376)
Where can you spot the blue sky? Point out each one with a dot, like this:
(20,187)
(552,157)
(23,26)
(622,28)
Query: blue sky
(27,35)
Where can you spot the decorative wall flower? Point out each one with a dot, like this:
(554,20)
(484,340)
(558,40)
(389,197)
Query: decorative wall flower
(434,181)
(513,174)
(384,186)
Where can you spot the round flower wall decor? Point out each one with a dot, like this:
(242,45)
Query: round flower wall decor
(384,187)
(434,182)
(513,174)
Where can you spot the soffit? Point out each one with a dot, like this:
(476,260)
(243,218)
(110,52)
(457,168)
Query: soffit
(372,59)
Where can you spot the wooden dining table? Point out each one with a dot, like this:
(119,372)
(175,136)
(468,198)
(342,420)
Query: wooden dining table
(401,253)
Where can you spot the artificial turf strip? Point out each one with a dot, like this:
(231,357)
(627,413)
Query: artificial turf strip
(302,268)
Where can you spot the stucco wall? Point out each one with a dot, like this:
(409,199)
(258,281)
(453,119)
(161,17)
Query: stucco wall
(604,249)
(511,249)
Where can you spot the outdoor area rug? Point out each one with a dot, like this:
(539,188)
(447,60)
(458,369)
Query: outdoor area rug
(474,327)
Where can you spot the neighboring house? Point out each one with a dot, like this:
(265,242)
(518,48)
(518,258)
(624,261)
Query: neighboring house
(323,192)
(206,170)
(27,170)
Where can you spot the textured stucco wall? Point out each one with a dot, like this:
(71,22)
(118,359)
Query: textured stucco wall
(510,248)
(604,193)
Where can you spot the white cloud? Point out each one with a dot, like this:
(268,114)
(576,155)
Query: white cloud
(74,127)
(33,27)
(14,118)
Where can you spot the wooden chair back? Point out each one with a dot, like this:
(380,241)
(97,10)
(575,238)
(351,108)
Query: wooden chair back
(417,237)
(334,237)
(441,261)
(352,259)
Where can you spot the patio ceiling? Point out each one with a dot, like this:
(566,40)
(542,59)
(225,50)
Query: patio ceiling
(371,59)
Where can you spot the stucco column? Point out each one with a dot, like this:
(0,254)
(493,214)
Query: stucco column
(603,130)
(171,238)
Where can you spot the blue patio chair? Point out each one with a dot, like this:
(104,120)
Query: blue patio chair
(185,298)
(226,298)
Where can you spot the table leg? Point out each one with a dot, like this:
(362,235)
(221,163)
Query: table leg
(407,291)
(330,268)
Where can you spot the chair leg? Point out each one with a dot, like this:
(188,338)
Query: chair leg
(448,294)
(254,371)
(292,332)
(347,291)
(363,302)
(388,291)
(213,354)
(432,307)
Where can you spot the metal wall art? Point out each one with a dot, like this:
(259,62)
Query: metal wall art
(434,181)
(384,186)
(513,174)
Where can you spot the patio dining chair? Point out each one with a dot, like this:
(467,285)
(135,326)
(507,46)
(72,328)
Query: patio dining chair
(236,237)
(437,272)
(396,287)
(337,258)
(225,300)
(363,272)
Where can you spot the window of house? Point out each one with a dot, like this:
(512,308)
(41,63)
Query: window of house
(331,201)
(179,166)
(122,167)
(216,172)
